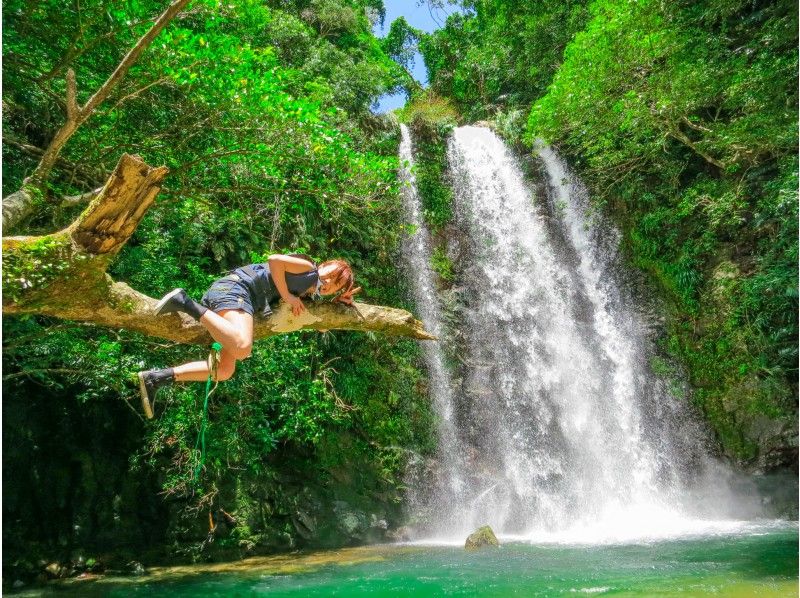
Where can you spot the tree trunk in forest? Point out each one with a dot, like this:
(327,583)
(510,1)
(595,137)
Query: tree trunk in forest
(64,274)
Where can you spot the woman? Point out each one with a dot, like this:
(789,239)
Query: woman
(226,311)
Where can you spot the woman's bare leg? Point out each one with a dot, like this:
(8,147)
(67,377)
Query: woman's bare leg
(197,371)
(231,328)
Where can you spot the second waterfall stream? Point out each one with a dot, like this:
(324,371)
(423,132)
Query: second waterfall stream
(552,424)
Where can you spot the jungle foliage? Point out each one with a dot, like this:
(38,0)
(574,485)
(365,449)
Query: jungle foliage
(261,111)
(681,118)
(431,118)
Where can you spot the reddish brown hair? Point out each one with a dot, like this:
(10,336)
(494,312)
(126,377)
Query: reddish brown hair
(341,276)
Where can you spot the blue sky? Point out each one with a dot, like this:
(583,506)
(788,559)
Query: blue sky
(418,16)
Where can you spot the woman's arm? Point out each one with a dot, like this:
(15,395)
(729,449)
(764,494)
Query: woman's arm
(279,265)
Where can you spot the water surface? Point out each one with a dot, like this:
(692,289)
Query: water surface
(760,563)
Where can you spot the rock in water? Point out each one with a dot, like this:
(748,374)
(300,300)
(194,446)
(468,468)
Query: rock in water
(483,536)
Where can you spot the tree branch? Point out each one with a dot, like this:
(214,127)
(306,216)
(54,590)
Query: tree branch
(676,133)
(73,52)
(69,201)
(86,172)
(132,56)
(694,126)
(72,97)
(135,94)
(63,275)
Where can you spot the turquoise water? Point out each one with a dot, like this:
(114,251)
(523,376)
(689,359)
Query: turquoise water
(761,564)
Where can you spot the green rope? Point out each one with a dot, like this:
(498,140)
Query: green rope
(213,362)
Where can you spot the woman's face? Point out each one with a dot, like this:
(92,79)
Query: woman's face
(325,275)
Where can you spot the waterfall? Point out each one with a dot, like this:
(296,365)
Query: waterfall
(559,429)
(417,257)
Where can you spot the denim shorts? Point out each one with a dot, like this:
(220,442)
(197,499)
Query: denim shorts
(227,293)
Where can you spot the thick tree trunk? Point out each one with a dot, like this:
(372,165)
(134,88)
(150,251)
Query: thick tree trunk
(64,274)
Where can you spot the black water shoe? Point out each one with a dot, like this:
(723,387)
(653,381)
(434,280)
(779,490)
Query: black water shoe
(149,383)
(178,300)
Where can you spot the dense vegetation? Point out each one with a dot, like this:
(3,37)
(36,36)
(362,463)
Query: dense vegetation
(431,119)
(261,110)
(682,119)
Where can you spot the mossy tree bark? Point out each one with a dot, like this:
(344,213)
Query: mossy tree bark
(63,274)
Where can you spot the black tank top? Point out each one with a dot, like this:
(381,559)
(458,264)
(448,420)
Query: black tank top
(263,292)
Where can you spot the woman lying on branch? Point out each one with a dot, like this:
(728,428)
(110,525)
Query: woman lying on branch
(226,311)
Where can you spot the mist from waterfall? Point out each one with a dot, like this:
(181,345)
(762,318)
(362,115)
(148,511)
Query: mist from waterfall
(556,427)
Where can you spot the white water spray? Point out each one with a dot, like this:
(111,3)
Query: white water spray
(417,257)
(561,429)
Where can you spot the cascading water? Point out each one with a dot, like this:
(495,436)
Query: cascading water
(559,428)
(417,255)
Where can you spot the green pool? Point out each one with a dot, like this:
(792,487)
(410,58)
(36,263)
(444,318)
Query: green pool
(761,562)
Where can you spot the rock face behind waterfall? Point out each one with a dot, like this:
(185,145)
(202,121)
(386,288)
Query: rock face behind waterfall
(481,538)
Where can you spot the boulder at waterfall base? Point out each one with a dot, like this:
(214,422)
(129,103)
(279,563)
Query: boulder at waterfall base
(480,538)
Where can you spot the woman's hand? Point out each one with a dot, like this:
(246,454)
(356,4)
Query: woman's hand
(297,305)
(347,298)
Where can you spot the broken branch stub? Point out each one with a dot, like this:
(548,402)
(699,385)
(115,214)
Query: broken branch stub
(111,217)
